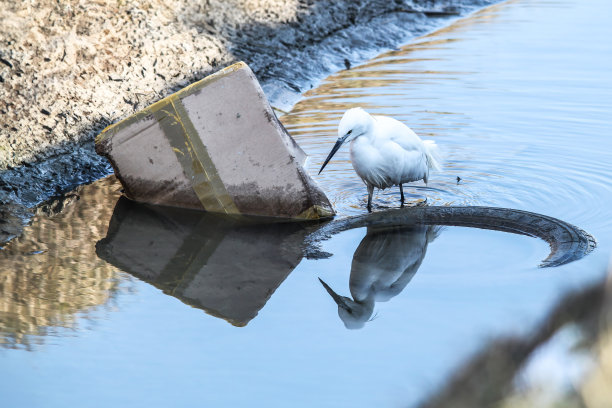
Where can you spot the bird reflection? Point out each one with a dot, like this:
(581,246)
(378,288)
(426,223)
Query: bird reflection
(383,264)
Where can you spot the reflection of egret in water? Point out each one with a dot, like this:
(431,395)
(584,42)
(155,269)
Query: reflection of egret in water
(396,242)
(383,264)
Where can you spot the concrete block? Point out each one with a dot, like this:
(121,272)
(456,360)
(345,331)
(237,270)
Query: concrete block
(216,145)
(214,262)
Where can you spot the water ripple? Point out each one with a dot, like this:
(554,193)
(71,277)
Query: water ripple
(514,132)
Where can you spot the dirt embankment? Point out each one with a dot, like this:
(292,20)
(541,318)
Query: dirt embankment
(69,68)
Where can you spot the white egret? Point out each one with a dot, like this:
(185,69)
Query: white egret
(384,151)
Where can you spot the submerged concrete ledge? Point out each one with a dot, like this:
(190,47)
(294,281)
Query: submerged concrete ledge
(567,242)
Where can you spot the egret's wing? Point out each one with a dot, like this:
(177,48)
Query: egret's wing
(403,165)
(398,133)
(386,260)
(404,137)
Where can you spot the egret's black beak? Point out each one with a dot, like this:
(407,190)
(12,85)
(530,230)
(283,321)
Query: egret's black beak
(334,150)
(337,298)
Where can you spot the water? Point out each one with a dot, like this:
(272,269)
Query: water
(518,116)
(518,97)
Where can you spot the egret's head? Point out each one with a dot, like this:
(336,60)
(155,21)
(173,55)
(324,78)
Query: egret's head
(354,123)
(353,314)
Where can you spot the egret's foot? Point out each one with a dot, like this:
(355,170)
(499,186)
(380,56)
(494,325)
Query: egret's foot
(412,200)
(370,194)
(421,203)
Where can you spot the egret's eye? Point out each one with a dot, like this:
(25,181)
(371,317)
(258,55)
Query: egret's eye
(349,132)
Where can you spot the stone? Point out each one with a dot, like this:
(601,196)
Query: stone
(217,146)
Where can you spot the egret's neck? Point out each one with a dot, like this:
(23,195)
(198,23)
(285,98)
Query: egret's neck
(362,127)
(367,127)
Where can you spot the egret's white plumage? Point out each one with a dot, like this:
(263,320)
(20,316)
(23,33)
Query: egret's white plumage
(384,151)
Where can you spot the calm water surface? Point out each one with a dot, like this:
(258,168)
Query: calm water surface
(94,301)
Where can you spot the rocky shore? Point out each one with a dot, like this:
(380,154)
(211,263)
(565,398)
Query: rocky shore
(68,69)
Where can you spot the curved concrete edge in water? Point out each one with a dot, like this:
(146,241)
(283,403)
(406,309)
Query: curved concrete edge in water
(567,242)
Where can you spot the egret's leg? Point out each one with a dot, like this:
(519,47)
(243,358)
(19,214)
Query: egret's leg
(370,192)
(402,194)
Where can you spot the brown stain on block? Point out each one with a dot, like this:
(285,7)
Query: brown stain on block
(215,145)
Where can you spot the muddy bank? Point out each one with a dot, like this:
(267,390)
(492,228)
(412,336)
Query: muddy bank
(69,69)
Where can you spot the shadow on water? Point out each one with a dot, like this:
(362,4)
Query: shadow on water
(225,266)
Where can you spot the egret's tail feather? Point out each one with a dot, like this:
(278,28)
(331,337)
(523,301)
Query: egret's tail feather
(434,158)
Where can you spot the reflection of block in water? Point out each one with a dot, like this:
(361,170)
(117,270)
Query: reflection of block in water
(215,145)
(227,267)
